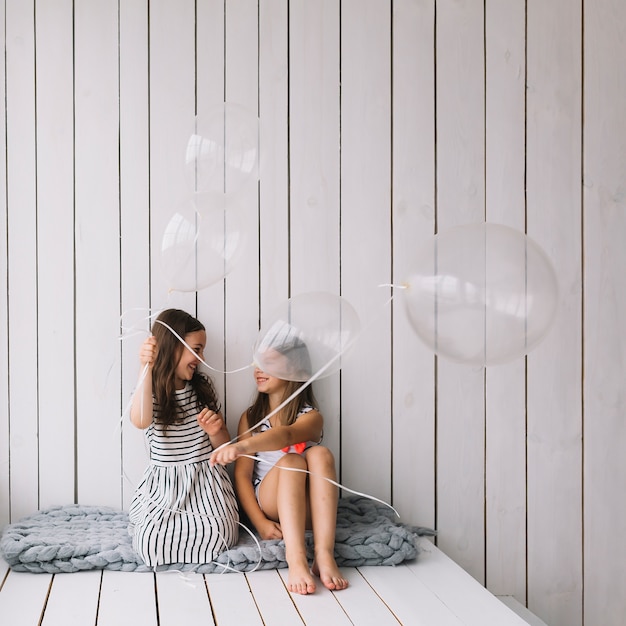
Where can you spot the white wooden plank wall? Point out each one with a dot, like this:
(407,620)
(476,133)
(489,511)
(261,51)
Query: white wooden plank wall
(55,240)
(381,123)
(554,374)
(505,386)
(135,226)
(21,257)
(414,197)
(604,340)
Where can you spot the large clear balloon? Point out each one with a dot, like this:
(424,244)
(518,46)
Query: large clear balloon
(202,242)
(222,153)
(481,294)
(306,337)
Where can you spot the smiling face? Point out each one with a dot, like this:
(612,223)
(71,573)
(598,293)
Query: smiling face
(268,384)
(188,362)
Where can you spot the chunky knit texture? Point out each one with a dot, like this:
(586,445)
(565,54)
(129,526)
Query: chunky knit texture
(75,538)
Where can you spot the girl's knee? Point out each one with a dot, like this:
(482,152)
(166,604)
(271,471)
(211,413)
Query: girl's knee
(320,455)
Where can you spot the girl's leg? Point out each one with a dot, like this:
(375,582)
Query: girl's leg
(323,506)
(282,496)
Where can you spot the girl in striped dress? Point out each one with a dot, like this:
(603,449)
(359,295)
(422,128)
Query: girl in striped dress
(184,510)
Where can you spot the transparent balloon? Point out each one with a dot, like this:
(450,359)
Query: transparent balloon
(222,153)
(202,242)
(306,337)
(481,294)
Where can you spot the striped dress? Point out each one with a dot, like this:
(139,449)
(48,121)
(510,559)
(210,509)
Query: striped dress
(184,510)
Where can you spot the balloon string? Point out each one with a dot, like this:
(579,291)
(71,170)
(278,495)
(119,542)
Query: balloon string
(267,417)
(330,480)
(145,318)
(306,383)
(297,392)
(225,566)
(126,335)
(126,410)
(240,369)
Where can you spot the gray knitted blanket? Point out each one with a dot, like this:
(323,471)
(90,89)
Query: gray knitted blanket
(75,538)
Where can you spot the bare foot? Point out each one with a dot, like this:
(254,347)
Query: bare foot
(326,568)
(300,579)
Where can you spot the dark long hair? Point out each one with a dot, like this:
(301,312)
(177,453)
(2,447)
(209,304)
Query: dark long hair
(298,355)
(169,351)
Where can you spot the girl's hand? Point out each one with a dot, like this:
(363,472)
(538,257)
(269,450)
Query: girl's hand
(227,454)
(148,351)
(270,530)
(210,422)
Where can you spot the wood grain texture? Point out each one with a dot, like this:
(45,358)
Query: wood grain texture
(604,340)
(555,367)
(505,385)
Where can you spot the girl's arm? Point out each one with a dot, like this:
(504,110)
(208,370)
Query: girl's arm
(141,406)
(308,427)
(244,468)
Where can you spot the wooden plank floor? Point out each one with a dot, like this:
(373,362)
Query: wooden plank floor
(430,591)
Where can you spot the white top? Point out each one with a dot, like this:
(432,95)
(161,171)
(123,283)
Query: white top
(266,460)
